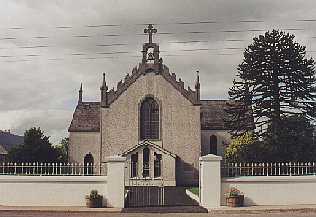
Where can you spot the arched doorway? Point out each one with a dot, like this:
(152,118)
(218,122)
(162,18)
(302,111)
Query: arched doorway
(88,164)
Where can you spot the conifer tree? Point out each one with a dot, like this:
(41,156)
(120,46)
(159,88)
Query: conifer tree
(275,81)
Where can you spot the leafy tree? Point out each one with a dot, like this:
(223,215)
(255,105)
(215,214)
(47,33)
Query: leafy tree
(275,81)
(244,148)
(36,148)
(63,149)
(296,143)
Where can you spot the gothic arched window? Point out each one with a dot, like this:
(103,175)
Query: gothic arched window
(149,119)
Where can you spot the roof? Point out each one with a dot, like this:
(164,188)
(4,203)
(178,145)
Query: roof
(213,114)
(86,118)
(3,151)
(148,143)
(8,140)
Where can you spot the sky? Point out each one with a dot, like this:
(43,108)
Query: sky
(47,48)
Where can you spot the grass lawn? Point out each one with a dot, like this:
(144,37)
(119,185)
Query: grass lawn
(194,190)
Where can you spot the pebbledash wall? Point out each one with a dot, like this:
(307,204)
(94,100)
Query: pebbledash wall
(64,190)
(258,190)
(179,133)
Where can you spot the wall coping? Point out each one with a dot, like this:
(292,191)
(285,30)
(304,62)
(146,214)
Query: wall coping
(16,178)
(210,157)
(250,179)
(115,159)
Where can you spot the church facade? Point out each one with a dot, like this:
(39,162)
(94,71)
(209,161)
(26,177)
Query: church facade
(161,127)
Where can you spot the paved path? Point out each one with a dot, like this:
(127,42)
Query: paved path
(180,211)
(99,214)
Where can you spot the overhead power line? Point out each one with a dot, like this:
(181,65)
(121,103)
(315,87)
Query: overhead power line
(103,25)
(63,27)
(306,20)
(8,38)
(110,45)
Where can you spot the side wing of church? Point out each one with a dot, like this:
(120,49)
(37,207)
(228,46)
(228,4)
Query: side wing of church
(152,119)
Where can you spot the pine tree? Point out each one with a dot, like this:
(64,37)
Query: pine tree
(275,81)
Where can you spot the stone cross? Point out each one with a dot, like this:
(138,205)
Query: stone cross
(150,31)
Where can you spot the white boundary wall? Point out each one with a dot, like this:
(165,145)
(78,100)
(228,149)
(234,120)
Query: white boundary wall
(273,190)
(65,190)
(49,190)
(258,190)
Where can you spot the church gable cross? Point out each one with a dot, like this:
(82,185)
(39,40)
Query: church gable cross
(150,31)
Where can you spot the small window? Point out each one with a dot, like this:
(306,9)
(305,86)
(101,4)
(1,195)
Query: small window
(213,145)
(134,165)
(146,153)
(157,165)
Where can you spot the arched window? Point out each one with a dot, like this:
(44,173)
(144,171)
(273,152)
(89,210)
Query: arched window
(157,165)
(146,154)
(149,119)
(88,164)
(213,145)
(134,165)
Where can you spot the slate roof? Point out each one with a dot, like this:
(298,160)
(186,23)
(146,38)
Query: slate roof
(213,114)
(8,140)
(86,118)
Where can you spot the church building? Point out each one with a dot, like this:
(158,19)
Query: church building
(161,127)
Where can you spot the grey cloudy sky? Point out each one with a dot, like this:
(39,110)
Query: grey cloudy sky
(48,47)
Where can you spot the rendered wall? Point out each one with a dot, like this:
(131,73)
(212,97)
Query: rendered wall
(223,139)
(18,190)
(273,190)
(81,143)
(50,190)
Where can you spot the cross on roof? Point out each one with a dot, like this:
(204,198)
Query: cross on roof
(150,31)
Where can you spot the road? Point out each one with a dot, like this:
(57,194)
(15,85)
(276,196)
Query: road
(85,214)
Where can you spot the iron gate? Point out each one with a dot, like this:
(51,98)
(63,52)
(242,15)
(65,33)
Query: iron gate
(142,192)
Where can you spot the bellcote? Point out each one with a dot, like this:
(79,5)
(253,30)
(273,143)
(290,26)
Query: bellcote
(151,50)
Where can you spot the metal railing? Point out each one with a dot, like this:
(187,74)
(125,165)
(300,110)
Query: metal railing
(51,169)
(268,169)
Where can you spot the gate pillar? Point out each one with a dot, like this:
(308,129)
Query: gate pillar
(210,181)
(116,181)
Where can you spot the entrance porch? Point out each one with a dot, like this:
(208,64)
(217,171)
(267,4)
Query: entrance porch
(149,164)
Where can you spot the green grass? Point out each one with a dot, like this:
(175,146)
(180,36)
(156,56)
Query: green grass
(194,190)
